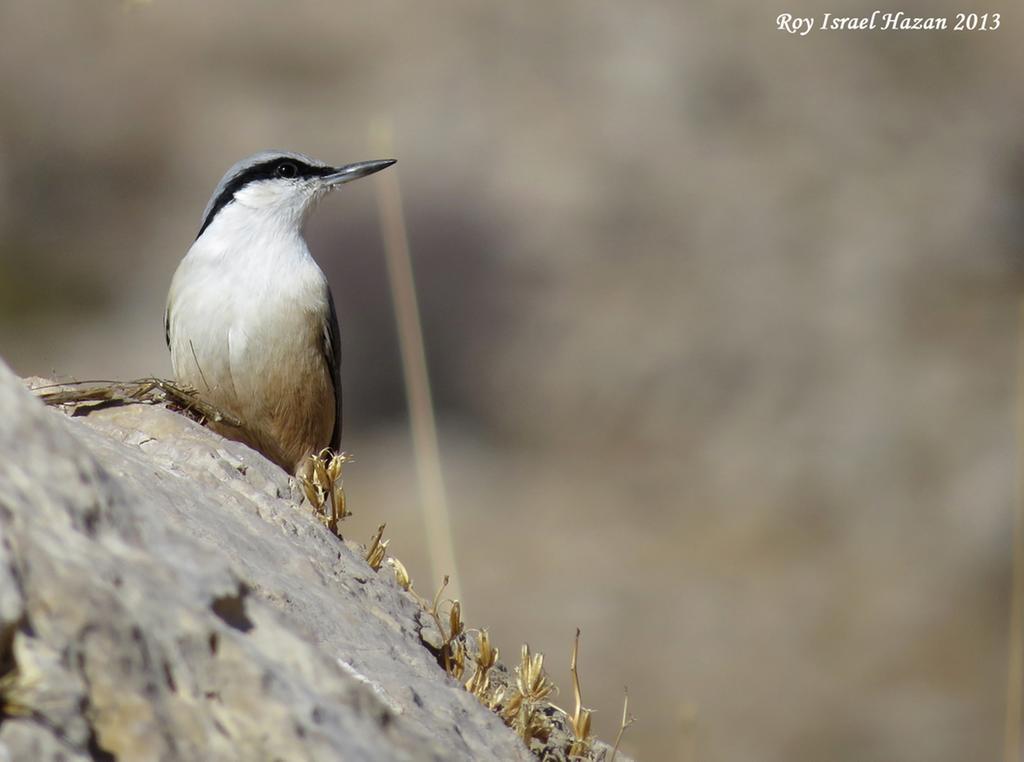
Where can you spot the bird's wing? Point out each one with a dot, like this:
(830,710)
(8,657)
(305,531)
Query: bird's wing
(332,357)
(167,326)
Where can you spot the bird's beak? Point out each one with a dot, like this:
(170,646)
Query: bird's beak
(351,172)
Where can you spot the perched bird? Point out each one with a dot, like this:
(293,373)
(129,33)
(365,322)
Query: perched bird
(250,319)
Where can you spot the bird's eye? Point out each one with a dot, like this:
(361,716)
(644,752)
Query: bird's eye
(287,170)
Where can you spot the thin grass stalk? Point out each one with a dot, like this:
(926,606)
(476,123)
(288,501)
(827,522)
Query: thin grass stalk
(1015,668)
(433,497)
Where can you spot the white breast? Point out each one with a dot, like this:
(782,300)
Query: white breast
(241,304)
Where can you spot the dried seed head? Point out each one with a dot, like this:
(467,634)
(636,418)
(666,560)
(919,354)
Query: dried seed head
(401,575)
(376,558)
(340,506)
(334,468)
(455,620)
(512,706)
(457,661)
(485,660)
(320,474)
(530,677)
(310,491)
(494,703)
(375,553)
(488,654)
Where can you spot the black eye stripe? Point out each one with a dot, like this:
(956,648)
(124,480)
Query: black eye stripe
(266,170)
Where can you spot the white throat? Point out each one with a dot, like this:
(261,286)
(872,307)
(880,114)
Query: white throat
(260,228)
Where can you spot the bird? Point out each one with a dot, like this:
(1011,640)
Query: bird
(250,320)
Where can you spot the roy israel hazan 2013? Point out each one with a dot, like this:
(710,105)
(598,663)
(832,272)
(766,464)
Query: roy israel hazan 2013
(885,21)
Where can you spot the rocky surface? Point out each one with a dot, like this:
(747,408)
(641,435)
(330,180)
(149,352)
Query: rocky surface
(164,596)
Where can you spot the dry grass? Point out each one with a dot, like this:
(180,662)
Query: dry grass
(486,657)
(627,720)
(76,397)
(520,697)
(13,701)
(324,486)
(377,549)
(580,719)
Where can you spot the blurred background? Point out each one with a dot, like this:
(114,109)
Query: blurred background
(722,322)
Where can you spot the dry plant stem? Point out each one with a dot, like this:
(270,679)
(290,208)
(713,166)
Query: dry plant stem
(149,391)
(627,720)
(452,653)
(414,365)
(580,719)
(437,598)
(1015,667)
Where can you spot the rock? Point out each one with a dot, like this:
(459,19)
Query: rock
(164,596)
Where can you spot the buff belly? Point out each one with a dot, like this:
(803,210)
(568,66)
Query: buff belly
(271,375)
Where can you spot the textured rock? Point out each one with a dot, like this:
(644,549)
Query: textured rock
(163,596)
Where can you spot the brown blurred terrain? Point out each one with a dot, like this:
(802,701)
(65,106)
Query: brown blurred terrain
(722,322)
